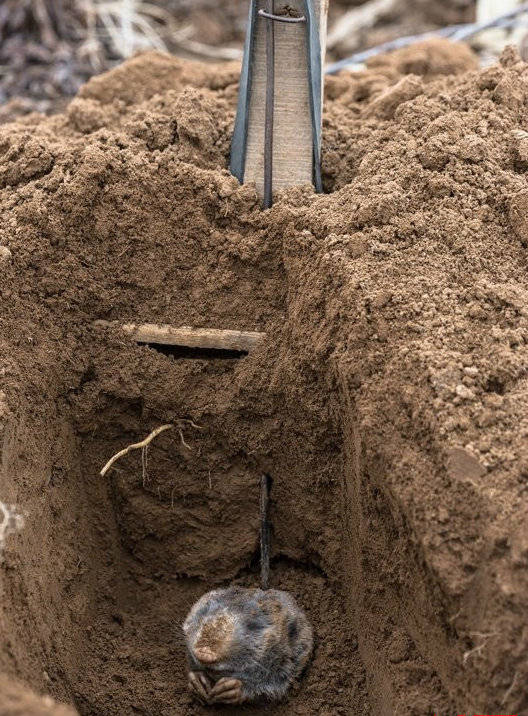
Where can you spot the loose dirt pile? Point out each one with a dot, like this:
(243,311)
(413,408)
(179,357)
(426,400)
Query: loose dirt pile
(389,401)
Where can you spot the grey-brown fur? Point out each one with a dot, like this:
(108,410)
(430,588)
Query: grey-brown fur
(246,644)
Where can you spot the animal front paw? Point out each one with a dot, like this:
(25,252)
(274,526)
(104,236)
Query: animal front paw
(226,691)
(200,685)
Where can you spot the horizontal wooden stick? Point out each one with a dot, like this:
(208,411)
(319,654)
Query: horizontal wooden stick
(188,337)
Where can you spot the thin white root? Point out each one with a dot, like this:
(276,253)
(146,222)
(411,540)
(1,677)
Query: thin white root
(183,440)
(190,422)
(144,464)
(477,649)
(510,690)
(135,446)
(12,522)
(471,652)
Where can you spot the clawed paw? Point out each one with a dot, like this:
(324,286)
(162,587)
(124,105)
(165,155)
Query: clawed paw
(200,685)
(225,691)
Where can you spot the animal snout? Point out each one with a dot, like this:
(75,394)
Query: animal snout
(205,655)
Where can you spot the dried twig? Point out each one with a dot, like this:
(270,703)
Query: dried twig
(136,446)
(131,25)
(49,38)
(357,20)
(500,21)
(360,57)
(91,46)
(457,33)
(216,53)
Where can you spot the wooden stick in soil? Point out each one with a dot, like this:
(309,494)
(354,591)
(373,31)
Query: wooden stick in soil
(188,337)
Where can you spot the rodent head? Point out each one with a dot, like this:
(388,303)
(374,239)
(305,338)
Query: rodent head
(213,640)
(227,629)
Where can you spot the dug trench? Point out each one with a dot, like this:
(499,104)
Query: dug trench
(387,401)
(108,568)
(129,554)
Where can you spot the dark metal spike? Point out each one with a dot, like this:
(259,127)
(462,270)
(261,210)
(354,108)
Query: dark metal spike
(270,108)
(265,488)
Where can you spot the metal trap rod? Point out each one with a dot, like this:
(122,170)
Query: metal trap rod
(270,106)
(265,488)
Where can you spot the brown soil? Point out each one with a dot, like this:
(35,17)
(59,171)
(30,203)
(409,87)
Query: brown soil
(388,402)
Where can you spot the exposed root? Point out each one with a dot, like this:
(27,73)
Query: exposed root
(190,422)
(136,446)
(510,690)
(183,440)
(144,464)
(143,446)
(477,649)
(471,652)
